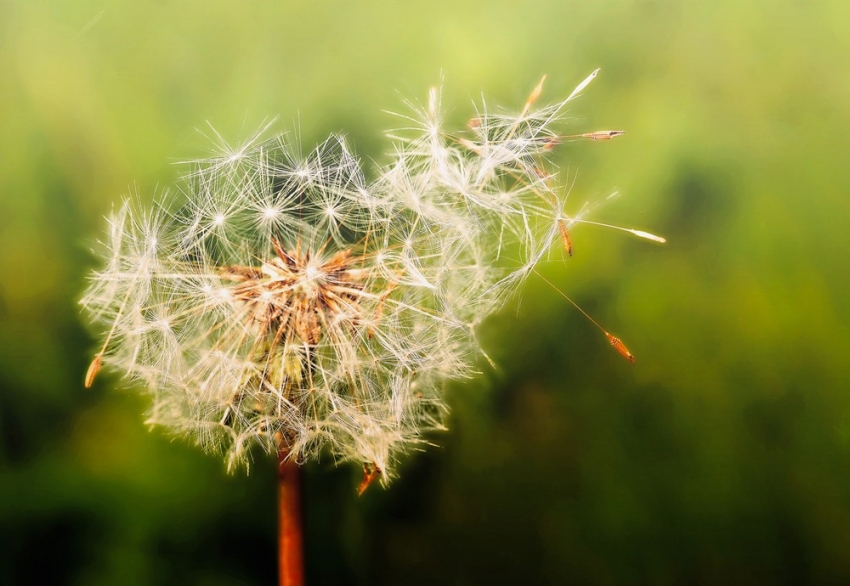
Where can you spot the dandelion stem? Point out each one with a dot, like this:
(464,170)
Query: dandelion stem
(290,531)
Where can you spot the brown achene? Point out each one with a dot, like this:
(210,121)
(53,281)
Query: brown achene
(293,295)
(296,299)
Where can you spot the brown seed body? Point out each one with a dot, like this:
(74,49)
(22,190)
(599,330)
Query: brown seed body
(602,134)
(94,368)
(565,237)
(293,295)
(620,347)
(370,473)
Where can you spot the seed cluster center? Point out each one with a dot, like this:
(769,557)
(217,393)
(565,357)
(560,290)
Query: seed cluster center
(296,294)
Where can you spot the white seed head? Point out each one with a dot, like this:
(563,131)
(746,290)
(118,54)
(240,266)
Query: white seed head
(283,300)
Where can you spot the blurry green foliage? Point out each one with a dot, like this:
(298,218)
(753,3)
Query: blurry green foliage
(721,457)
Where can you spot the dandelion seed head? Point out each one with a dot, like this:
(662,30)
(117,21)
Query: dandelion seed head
(282,300)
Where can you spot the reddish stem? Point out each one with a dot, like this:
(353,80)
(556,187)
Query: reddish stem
(290,541)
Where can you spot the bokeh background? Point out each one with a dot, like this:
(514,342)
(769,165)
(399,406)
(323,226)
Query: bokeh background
(721,457)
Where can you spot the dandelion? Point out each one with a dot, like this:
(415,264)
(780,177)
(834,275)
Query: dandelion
(282,299)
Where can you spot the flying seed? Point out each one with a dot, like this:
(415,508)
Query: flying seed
(94,368)
(648,236)
(599,134)
(582,85)
(632,231)
(603,134)
(617,343)
(551,143)
(533,97)
(565,237)
(620,347)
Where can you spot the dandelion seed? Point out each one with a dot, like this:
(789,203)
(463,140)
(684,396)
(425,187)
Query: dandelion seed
(551,143)
(638,233)
(565,237)
(94,368)
(648,236)
(599,134)
(615,342)
(620,347)
(582,85)
(370,473)
(533,97)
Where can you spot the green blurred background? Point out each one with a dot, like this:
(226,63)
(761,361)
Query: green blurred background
(721,457)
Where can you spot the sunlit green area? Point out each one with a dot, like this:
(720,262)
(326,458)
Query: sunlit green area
(721,457)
